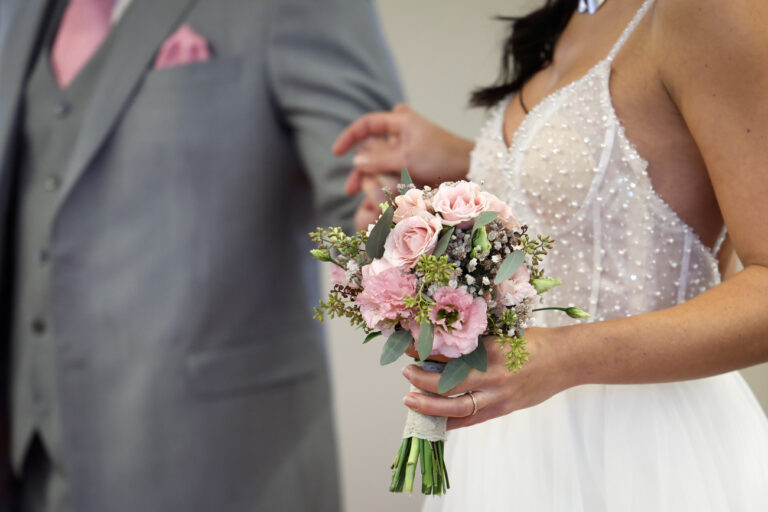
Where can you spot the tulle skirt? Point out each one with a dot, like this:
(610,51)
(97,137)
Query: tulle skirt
(698,445)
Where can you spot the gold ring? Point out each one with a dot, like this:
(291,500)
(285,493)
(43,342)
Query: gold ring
(474,402)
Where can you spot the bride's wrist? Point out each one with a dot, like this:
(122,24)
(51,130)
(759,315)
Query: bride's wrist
(455,159)
(553,345)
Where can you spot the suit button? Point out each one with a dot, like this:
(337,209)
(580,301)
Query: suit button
(39,326)
(52,183)
(62,109)
(42,256)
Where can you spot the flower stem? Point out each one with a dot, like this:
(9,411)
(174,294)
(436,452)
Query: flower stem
(410,469)
(427,473)
(550,309)
(398,475)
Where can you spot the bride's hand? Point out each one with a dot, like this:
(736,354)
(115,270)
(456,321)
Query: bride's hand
(430,153)
(498,391)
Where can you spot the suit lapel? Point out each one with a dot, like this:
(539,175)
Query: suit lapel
(18,50)
(141,32)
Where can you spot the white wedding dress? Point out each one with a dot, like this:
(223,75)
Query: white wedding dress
(700,445)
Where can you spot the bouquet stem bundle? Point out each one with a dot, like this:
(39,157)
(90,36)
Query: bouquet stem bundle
(423,444)
(434,477)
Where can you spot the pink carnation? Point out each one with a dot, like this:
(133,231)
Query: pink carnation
(338,276)
(505,212)
(517,288)
(459,204)
(412,237)
(381,301)
(409,204)
(377,266)
(459,320)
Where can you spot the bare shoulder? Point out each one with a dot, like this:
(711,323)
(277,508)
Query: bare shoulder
(715,35)
(691,17)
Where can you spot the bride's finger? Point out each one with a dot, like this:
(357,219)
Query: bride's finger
(376,124)
(428,381)
(461,406)
(484,414)
(379,156)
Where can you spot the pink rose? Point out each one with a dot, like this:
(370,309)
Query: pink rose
(459,204)
(409,204)
(517,288)
(381,301)
(505,212)
(338,276)
(459,319)
(411,238)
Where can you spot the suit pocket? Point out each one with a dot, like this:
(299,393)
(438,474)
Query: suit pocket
(246,368)
(187,76)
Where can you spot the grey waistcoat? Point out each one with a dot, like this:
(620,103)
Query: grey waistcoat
(50,123)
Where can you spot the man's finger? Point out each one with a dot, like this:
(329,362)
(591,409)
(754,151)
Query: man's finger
(373,189)
(366,214)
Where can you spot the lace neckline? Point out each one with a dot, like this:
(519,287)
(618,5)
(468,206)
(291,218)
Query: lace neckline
(514,147)
(608,59)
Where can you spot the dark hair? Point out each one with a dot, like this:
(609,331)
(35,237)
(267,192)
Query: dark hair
(528,49)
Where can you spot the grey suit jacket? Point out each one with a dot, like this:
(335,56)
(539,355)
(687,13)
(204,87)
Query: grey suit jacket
(190,372)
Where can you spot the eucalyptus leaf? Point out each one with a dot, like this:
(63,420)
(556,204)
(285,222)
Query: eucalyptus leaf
(477,359)
(375,245)
(371,336)
(405,179)
(395,346)
(509,266)
(484,219)
(445,239)
(426,339)
(455,371)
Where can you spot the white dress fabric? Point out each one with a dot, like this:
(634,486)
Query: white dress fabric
(699,445)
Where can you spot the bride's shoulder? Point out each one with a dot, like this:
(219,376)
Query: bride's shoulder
(695,20)
(710,41)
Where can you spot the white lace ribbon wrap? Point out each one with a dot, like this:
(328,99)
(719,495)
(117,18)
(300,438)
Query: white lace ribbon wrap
(421,426)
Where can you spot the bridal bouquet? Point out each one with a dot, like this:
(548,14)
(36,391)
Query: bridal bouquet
(440,268)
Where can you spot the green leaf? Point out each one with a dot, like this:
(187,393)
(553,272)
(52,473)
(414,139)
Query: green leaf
(375,245)
(477,359)
(484,219)
(509,266)
(545,284)
(405,179)
(455,371)
(371,336)
(426,339)
(445,239)
(395,346)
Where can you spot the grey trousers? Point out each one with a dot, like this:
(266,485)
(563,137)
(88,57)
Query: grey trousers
(41,486)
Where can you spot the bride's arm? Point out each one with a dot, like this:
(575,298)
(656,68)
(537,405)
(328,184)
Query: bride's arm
(716,71)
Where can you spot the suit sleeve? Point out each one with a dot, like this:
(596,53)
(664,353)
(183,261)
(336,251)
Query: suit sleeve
(328,65)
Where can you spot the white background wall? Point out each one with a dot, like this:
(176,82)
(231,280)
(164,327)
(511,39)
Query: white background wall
(444,49)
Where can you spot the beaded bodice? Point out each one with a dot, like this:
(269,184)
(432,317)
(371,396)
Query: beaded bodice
(570,172)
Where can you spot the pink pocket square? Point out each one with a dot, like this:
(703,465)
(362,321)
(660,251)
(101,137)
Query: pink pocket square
(185,46)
